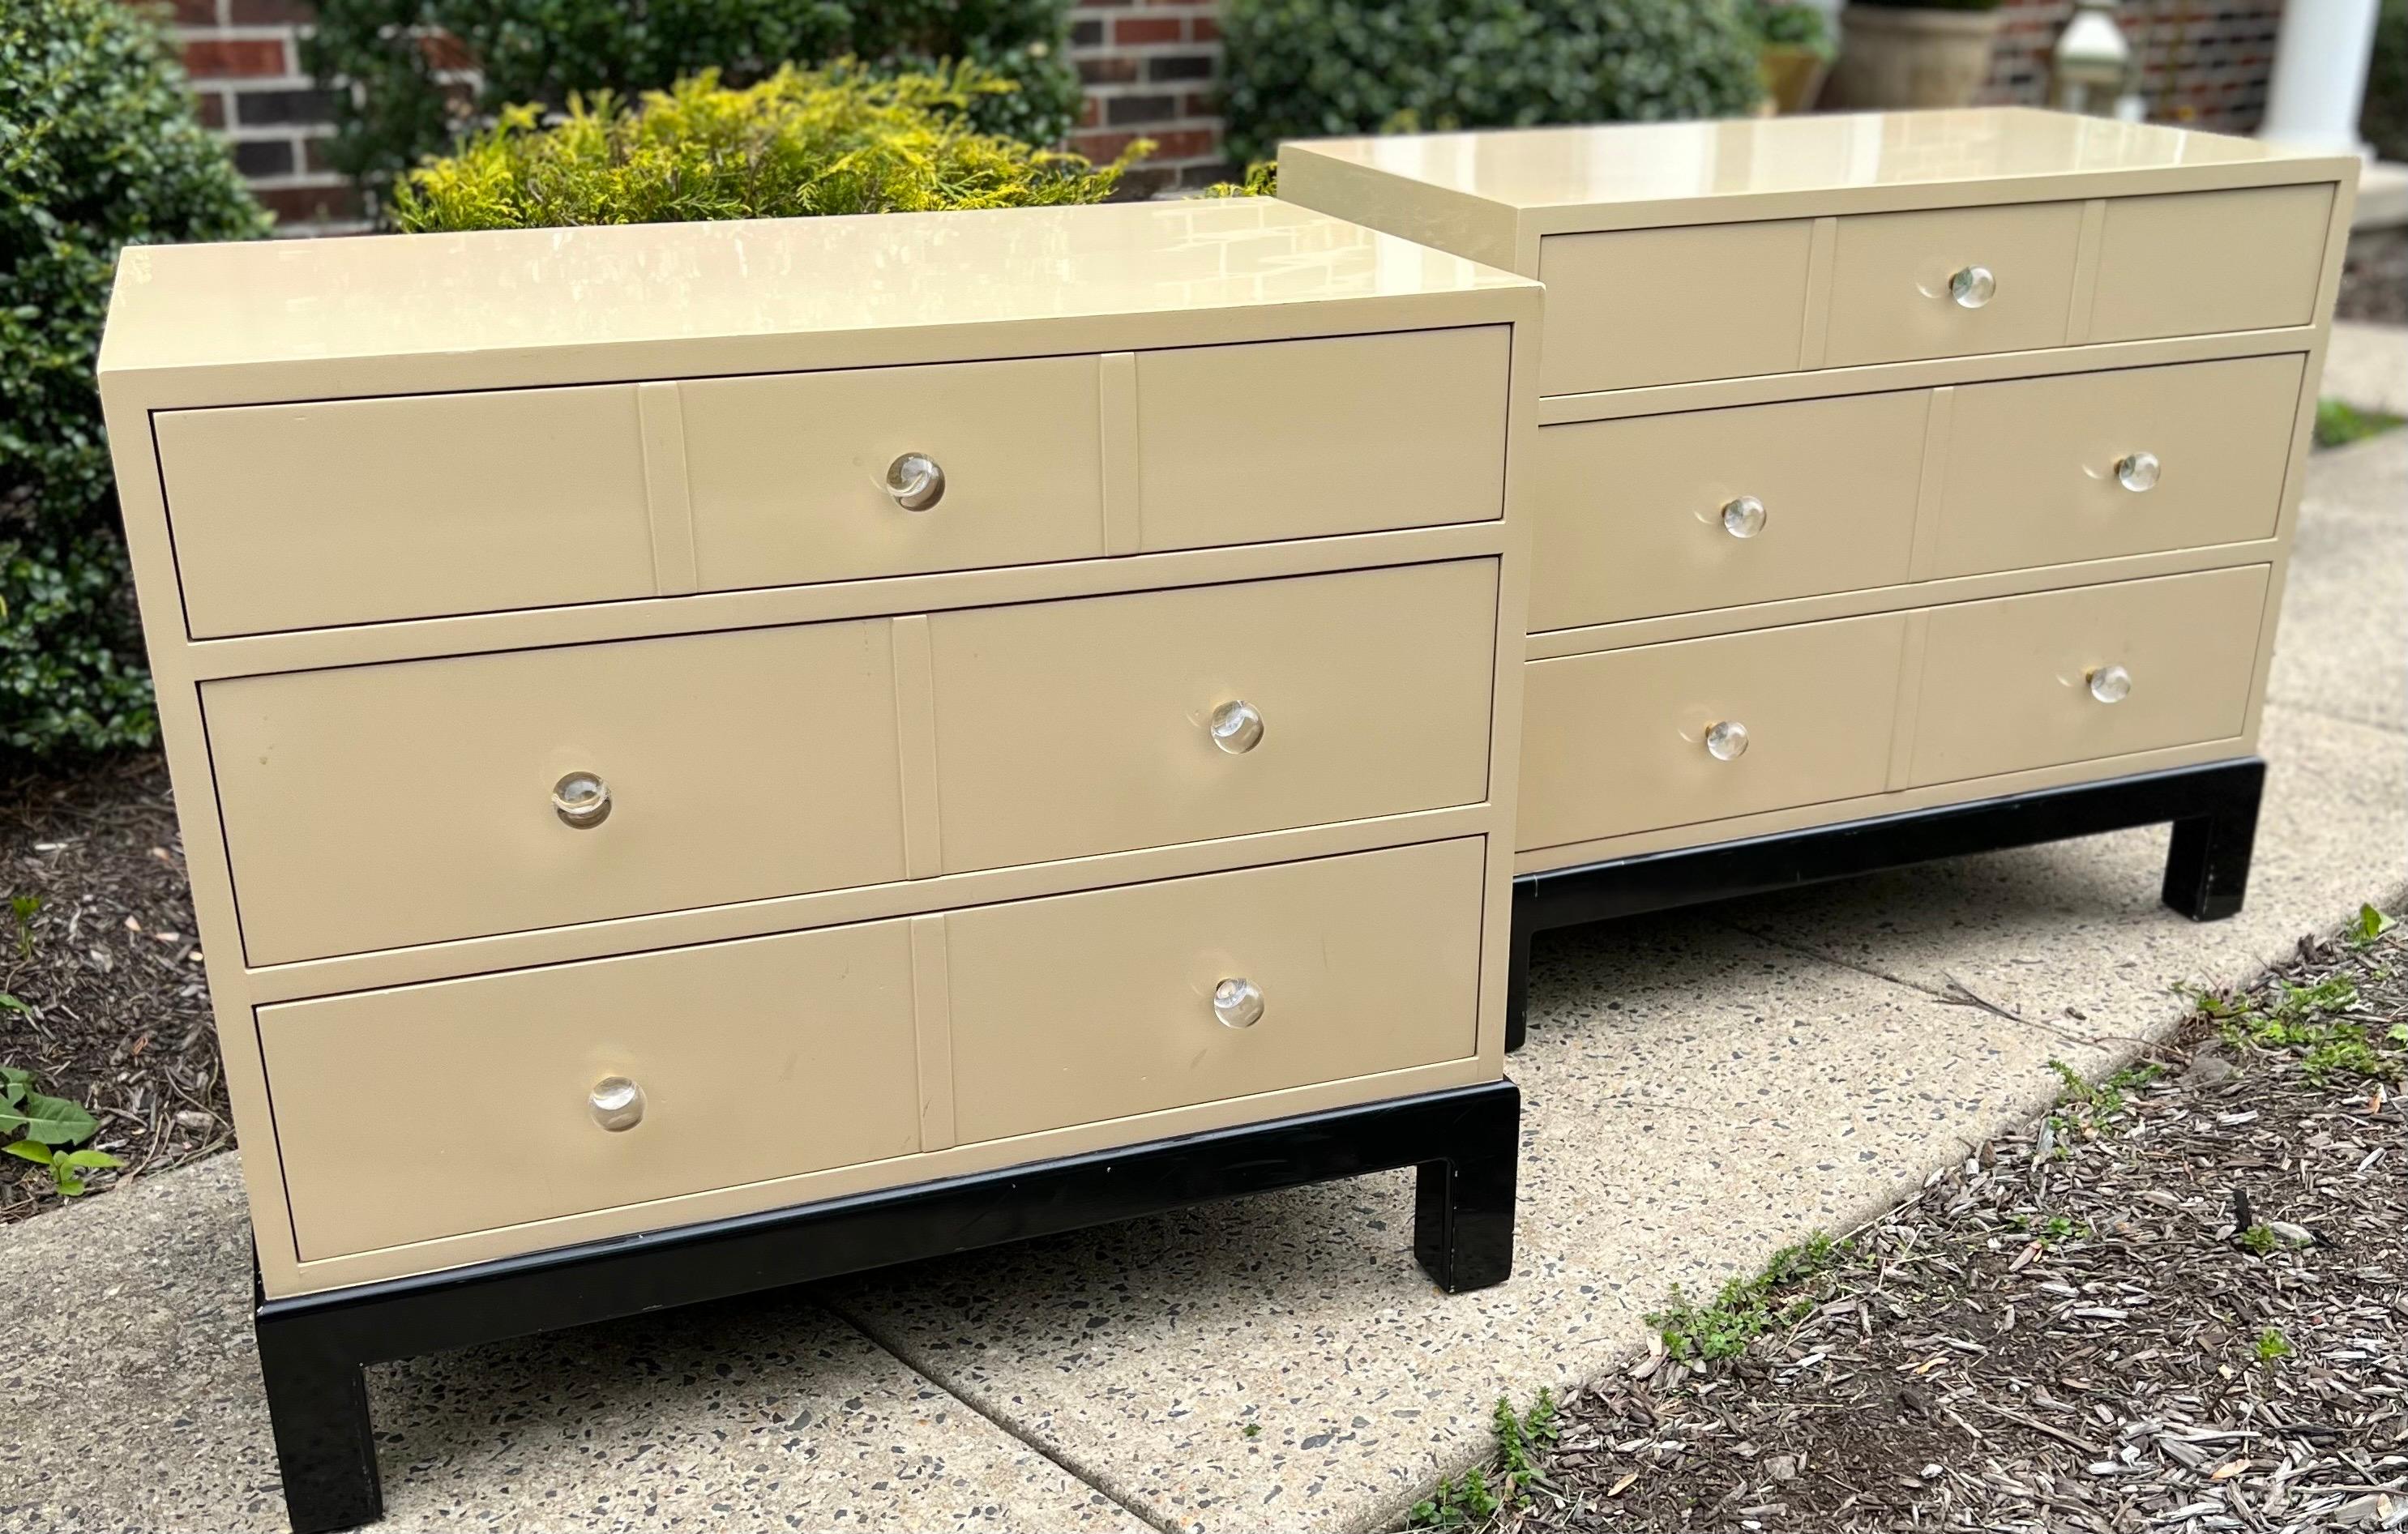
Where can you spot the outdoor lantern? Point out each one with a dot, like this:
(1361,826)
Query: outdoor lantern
(2092,68)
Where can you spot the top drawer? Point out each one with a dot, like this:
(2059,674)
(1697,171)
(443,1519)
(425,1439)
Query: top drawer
(368,511)
(1631,309)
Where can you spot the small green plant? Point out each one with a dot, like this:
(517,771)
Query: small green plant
(23,907)
(2338,424)
(2304,1021)
(2258,1239)
(2273,1346)
(2104,1099)
(1523,1440)
(1792,23)
(1261,180)
(1459,1503)
(1252,1429)
(1746,1307)
(801,144)
(2367,925)
(53,1128)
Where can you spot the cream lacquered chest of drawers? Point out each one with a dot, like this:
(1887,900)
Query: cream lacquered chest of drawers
(1907,484)
(720,754)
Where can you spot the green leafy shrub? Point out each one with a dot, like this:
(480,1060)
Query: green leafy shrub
(1931,5)
(405,56)
(98,149)
(1302,68)
(1792,23)
(2385,122)
(798,144)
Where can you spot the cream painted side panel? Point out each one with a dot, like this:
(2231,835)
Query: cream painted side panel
(356,511)
(1068,728)
(1890,278)
(2031,471)
(1666,306)
(788,471)
(378,806)
(1615,741)
(1100,1005)
(1245,444)
(2203,261)
(2006,684)
(1630,512)
(438,1110)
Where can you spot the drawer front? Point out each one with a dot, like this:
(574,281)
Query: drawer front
(2008,684)
(2202,262)
(1244,444)
(2089,466)
(357,511)
(430,1111)
(788,472)
(1620,741)
(1891,295)
(1101,1005)
(1069,728)
(1714,508)
(380,806)
(1668,305)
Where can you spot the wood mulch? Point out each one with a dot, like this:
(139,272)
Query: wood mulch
(2374,280)
(2183,1309)
(115,1007)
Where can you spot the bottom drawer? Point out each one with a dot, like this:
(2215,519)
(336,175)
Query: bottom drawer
(1100,1005)
(1623,741)
(466,1105)
(2069,676)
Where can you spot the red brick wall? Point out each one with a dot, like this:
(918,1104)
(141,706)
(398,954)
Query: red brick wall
(2203,63)
(243,58)
(1151,67)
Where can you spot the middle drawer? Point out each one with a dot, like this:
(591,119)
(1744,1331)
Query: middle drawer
(772,762)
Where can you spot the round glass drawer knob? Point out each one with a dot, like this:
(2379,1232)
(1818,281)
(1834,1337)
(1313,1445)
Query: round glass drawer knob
(2137,471)
(1727,741)
(616,1103)
(1743,517)
(1237,1003)
(916,482)
(1972,286)
(581,800)
(1236,728)
(2110,683)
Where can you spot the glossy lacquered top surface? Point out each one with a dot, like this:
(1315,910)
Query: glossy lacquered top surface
(517,290)
(1655,162)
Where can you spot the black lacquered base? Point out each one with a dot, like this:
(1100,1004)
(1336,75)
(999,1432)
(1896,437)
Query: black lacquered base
(1465,1142)
(2214,810)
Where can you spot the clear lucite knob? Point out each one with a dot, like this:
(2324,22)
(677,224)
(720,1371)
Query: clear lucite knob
(915,482)
(1743,517)
(1971,286)
(2137,471)
(616,1103)
(1237,1003)
(581,800)
(1237,728)
(2110,683)
(1726,741)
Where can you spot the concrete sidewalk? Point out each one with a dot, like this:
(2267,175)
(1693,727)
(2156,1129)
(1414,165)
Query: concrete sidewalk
(1701,1087)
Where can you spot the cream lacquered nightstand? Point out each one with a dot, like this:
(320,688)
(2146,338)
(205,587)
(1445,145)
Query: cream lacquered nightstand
(715,755)
(1907,484)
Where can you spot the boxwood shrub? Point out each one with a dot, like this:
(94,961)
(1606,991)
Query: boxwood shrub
(98,149)
(399,93)
(1302,68)
(799,144)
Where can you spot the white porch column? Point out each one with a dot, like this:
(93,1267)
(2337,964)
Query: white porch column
(2320,82)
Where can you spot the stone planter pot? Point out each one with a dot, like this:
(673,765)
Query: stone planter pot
(1897,56)
(1791,76)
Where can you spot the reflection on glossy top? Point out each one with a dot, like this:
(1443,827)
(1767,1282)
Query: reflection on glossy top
(387,295)
(1647,162)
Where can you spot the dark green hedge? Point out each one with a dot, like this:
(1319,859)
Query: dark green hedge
(541,50)
(98,149)
(2386,123)
(1305,68)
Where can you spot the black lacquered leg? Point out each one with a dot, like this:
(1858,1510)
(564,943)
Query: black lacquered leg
(1463,1206)
(318,1405)
(2207,864)
(1517,974)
